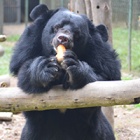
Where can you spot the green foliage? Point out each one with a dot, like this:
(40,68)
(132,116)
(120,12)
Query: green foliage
(5,59)
(137,105)
(120,41)
(128,77)
(13,38)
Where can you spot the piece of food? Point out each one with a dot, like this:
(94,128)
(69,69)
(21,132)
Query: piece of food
(60,53)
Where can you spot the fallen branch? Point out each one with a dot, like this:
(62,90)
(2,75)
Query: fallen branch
(107,93)
(4,81)
(2,38)
(6,116)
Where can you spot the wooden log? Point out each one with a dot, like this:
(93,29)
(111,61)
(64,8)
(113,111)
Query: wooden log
(102,14)
(6,116)
(4,81)
(2,38)
(88,9)
(71,5)
(105,93)
(80,7)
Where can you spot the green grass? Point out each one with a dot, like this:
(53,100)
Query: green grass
(128,77)
(13,38)
(120,41)
(5,59)
(138,105)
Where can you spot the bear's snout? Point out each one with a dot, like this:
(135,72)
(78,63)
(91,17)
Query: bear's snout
(64,37)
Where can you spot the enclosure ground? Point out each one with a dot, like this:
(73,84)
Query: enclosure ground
(127,124)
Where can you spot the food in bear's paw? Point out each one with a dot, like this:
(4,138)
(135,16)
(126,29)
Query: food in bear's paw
(60,52)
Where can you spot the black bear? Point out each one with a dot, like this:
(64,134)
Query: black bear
(88,58)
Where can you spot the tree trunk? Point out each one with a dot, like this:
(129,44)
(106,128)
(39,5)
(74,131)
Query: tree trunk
(71,5)
(80,7)
(88,9)
(1,16)
(102,14)
(98,11)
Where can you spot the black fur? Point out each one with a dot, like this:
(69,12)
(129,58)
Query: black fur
(88,58)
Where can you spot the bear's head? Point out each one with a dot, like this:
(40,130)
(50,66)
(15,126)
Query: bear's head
(72,30)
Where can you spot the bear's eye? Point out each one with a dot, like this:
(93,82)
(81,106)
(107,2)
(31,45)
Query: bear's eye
(56,27)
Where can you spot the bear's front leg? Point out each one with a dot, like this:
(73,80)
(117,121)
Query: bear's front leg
(39,74)
(79,72)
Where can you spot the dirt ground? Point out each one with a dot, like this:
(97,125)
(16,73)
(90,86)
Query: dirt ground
(127,122)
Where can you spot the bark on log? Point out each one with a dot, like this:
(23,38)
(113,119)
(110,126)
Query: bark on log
(105,93)
(6,116)
(100,11)
(2,38)
(102,14)
(80,7)
(4,81)
(71,5)
(88,9)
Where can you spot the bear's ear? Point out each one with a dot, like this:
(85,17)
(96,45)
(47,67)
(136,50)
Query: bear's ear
(38,10)
(103,32)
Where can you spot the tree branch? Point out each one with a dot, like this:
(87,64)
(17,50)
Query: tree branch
(2,38)
(103,93)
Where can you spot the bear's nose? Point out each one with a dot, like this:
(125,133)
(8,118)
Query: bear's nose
(63,39)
